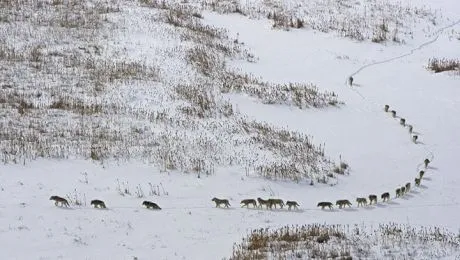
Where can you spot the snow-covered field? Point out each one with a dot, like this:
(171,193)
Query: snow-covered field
(143,146)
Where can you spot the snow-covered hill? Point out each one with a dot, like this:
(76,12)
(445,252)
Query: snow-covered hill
(180,102)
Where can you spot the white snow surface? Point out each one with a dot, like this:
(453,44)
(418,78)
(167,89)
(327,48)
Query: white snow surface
(380,152)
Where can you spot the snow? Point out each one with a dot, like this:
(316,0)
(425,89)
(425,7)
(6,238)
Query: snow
(188,226)
(380,152)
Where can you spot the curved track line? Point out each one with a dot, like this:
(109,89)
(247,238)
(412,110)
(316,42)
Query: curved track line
(438,33)
(430,154)
(411,52)
(421,46)
(300,210)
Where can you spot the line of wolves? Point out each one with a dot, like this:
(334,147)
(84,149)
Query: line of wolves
(402,121)
(399,191)
(268,203)
(361,201)
(373,198)
(99,203)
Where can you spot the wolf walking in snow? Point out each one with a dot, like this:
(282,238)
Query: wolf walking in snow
(393,113)
(292,204)
(150,205)
(373,198)
(274,202)
(60,200)
(263,202)
(98,204)
(420,174)
(402,121)
(403,190)
(343,203)
(398,192)
(350,81)
(407,187)
(385,196)
(221,202)
(248,202)
(426,162)
(324,204)
(361,201)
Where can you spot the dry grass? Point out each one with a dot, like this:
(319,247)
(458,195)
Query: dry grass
(316,241)
(78,96)
(283,21)
(62,75)
(441,65)
(301,95)
(374,20)
(202,102)
(299,159)
(204,60)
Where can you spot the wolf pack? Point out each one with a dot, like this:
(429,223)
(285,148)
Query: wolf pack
(62,202)
(400,191)
(259,203)
(361,201)
(275,203)
(269,203)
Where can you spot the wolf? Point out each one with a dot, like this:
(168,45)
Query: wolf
(221,201)
(263,202)
(361,201)
(417,181)
(98,204)
(386,108)
(414,138)
(420,174)
(426,162)
(58,200)
(407,187)
(246,203)
(150,205)
(292,204)
(402,121)
(350,81)
(325,204)
(385,196)
(274,202)
(343,203)
(373,198)
(398,192)
(393,113)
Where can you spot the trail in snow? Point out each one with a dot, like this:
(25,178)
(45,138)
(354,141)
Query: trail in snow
(438,33)
(411,52)
(300,210)
(430,154)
